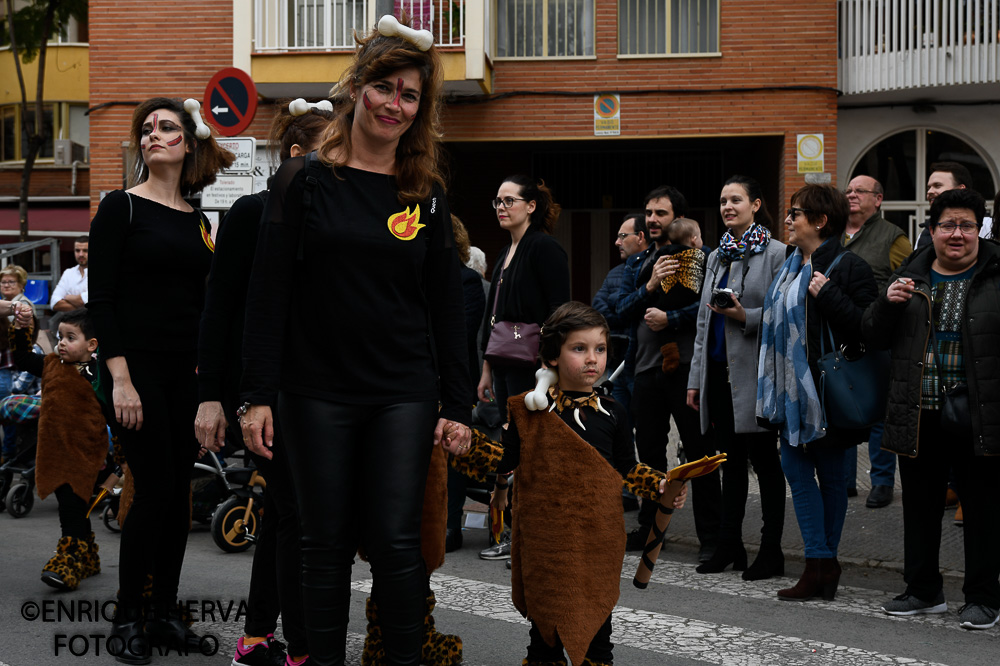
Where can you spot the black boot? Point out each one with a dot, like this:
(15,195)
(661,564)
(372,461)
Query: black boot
(128,643)
(725,554)
(770,561)
(174,634)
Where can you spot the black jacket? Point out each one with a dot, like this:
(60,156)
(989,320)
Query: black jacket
(904,328)
(534,285)
(840,304)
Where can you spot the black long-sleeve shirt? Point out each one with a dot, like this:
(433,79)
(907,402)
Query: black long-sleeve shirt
(220,340)
(148,264)
(356,298)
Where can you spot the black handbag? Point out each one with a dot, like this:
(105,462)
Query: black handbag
(852,388)
(956,417)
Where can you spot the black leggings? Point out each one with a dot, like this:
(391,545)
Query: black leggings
(276,577)
(161,457)
(359,473)
(73,518)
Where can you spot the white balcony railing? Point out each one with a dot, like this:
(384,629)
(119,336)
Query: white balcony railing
(329,25)
(898,44)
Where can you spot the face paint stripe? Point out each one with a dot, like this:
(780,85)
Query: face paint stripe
(175,141)
(156,119)
(368,102)
(399,92)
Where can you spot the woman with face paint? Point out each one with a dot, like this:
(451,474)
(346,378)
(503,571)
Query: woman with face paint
(366,218)
(150,247)
(275,582)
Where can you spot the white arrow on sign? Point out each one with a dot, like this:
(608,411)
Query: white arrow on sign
(220,109)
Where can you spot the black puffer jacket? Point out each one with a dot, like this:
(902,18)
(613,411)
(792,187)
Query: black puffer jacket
(905,329)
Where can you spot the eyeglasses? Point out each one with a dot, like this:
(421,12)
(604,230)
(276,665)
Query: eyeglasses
(624,236)
(849,191)
(8,283)
(968,228)
(794,212)
(506,202)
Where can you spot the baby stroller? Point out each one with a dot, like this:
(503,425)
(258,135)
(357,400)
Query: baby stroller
(18,498)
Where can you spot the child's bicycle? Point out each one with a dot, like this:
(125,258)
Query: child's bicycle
(231,500)
(17,498)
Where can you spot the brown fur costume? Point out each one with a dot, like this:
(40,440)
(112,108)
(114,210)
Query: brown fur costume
(566,546)
(72,432)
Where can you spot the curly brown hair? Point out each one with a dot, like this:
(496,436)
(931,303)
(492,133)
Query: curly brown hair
(418,154)
(201,165)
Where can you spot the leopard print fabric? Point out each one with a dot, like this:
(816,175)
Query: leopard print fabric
(644,481)
(438,649)
(482,458)
(63,570)
(89,560)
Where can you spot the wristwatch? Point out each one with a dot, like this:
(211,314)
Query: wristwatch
(241,412)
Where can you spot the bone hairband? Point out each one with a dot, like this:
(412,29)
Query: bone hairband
(300,107)
(193,107)
(537,399)
(390,27)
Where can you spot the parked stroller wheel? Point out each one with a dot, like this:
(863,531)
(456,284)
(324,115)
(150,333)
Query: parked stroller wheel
(109,518)
(4,488)
(20,499)
(228,527)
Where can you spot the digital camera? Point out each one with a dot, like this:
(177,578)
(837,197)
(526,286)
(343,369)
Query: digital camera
(723,298)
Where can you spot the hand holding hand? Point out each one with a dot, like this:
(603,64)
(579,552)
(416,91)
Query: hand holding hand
(454,437)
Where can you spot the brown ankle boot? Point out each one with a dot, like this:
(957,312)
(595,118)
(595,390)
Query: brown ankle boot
(820,578)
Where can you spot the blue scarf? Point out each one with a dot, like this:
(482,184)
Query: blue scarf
(786,392)
(753,241)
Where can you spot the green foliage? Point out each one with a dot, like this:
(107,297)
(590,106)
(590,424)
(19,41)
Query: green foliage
(29,24)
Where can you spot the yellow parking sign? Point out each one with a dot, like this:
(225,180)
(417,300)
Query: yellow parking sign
(809,148)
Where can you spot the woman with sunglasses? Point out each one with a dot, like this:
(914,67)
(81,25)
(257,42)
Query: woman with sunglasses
(822,289)
(530,279)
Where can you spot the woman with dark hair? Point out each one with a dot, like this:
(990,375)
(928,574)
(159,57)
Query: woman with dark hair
(809,295)
(360,412)
(724,363)
(148,359)
(940,317)
(275,581)
(530,279)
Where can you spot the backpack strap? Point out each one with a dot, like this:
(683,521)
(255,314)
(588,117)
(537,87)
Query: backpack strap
(312,179)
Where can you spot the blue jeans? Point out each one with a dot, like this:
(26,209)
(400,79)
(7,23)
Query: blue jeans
(820,508)
(883,463)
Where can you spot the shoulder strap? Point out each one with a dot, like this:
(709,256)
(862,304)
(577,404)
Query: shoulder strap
(129,207)
(312,179)
(826,324)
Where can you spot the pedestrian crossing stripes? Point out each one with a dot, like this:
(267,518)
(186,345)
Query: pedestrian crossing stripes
(679,637)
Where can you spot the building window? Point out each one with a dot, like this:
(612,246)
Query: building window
(901,163)
(665,27)
(61,119)
(324,24)
(545,28)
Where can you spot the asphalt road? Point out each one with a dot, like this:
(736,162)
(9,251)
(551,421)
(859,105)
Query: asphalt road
(683,618)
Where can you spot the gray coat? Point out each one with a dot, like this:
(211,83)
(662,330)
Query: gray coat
(741,339)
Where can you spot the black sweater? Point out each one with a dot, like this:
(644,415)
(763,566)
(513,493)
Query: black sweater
(359,308)
(534,285)
(148,264)
(220,341)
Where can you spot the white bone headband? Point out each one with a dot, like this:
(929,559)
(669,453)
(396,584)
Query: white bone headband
(300,107)
(390,27)
(193,107)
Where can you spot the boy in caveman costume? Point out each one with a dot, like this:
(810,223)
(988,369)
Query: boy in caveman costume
(572,450)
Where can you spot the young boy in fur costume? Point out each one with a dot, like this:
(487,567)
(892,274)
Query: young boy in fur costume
(572,450)
(72,442)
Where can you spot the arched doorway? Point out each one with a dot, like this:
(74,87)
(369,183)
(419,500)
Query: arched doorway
(901,162)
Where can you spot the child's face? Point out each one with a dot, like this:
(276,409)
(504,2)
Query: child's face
(582,359)
(74,347)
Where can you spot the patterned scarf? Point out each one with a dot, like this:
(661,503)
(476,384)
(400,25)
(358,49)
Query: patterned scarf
(786,392)
(754,240)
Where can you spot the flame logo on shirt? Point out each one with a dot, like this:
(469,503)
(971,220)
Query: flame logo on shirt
(405,225)
(207,237)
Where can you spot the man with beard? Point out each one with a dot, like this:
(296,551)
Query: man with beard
(656,394)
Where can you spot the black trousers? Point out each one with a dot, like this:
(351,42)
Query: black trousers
(759,449)
(600,649)
(655,398)
(925,481)
(276,576)
(161,457)
(359,473)
(73,520)
(508,381)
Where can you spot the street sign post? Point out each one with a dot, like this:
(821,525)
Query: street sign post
(230,101)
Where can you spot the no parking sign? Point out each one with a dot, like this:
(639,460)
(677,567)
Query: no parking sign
(230,101)
(607,114)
